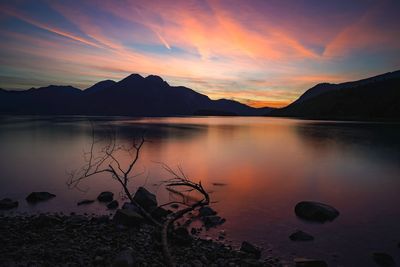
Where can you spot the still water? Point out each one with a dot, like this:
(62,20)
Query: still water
(267,165)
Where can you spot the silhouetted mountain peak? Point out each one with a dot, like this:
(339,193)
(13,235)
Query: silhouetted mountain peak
(100,86)
(132,96)
(154,79)
(325,87)
(133,77)
(375,98)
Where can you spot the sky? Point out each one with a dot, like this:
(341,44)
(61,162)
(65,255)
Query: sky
(261,53)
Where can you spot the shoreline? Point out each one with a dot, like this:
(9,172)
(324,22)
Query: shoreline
(79,240)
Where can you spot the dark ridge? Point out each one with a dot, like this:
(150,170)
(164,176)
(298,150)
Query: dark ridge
(100,86)
(326,87)
(374,99)
(132,96)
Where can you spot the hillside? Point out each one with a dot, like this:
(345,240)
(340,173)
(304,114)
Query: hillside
(376,98)
(132,96)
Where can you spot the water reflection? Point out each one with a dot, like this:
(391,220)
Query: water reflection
(268,165)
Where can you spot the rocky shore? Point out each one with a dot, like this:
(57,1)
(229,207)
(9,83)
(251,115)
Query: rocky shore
(77,240)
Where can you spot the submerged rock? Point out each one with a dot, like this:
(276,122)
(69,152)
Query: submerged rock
(206,211)
(383,259)
(145,199)
(35,197)
(251,249)
(315,211)
(302,262)
(301,236)
(113,205)
(105,196)
(212,221)
(7,204)
(128,217)
(85,202)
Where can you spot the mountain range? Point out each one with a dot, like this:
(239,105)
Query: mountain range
(375,98)
(132,96)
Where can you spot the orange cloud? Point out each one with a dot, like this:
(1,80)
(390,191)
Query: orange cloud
(365,33)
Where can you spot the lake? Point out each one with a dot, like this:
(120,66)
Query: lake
(262,167)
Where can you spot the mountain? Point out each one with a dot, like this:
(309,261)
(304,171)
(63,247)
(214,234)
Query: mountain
(375,98)
(99,86)
(132,96)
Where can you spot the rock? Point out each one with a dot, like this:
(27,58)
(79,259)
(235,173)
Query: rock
(212,221)
(182,236)
(251,249)
(251,263)
(124,259)
(130,206)
(302,262)
(206,211)
(7,204)
(383,259)
(113,205)
(128,217)
(301,236)
(35,197)
(160,213)
(77,220)
(197,263)
(85,202)
(145,199)
(98,259)
(101,219)
(315,211)
(193,231)
(105,196)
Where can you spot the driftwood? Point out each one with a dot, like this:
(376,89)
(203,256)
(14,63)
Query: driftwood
(106,161)
(182,181)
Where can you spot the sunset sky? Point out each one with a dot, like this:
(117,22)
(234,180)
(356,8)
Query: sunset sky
(263,53)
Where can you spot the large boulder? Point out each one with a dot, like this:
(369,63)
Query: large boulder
(160,213)
(302,262)
(315,211)
(105,196)
(113,205)
(301,236)
(383,259)
(251,249)
(35,197)
(128,217)
(130,206)
(7,204)
(145,199)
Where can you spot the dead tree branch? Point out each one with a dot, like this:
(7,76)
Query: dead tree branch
(105,160)
(180,180)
